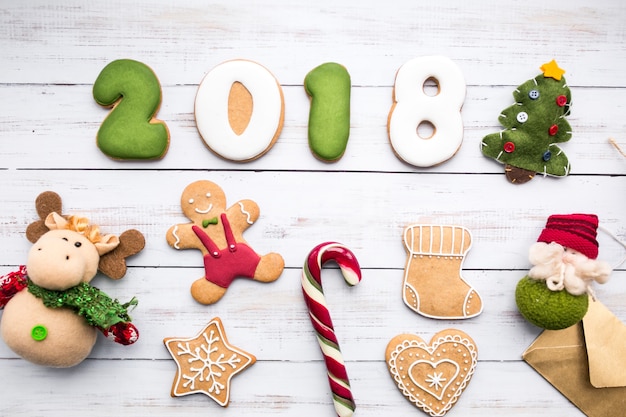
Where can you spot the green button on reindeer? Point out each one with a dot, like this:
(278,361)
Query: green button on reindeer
(534,124)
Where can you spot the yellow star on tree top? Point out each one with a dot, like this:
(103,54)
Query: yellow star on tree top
(206,363)
(551,69)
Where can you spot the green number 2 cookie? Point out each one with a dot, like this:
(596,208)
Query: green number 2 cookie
(130,131)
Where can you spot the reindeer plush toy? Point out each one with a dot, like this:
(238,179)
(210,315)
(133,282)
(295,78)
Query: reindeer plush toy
(51,312)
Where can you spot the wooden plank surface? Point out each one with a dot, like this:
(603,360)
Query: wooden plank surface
(50,55)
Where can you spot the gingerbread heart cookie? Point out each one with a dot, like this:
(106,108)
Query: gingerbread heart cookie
(432,376)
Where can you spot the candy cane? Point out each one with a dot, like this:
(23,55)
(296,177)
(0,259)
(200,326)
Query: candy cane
(320,317)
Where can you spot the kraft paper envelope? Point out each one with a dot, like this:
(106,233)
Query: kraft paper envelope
(586,362)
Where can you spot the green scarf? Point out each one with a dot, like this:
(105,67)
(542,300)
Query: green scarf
(98,308)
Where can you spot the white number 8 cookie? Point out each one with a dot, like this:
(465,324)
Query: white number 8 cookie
(413,107)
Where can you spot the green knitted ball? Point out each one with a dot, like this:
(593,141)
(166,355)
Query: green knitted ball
(549,309)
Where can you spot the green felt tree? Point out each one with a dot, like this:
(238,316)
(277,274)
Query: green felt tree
(533,127)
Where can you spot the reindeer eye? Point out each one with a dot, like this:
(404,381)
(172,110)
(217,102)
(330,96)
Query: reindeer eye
(78,244)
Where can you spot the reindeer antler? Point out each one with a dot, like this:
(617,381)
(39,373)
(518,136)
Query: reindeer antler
(112,264)
(45,203)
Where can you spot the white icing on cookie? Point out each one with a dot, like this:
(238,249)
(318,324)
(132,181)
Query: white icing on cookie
(211,110)
(247,213)
(413,106)
(205,211)
(175,233)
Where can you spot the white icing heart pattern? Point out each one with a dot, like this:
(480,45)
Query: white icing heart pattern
(432,376)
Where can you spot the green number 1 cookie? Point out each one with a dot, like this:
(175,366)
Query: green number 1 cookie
(328,85)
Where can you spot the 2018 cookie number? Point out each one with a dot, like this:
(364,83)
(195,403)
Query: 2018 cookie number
(131,132)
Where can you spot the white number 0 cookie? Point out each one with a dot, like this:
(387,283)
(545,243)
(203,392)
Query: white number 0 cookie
(412,107)
(213,108)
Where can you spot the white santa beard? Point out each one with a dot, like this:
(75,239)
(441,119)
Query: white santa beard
(560,272)
(574,284)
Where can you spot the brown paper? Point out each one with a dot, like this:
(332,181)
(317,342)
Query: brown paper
(605,339)
(594,349)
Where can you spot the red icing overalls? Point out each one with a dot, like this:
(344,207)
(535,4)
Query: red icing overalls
(221,267)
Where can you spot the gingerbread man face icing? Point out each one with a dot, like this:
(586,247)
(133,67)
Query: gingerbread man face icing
(217,232)
(203,204)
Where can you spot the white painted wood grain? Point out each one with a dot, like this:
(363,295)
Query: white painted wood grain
(366,211)
(366,316)
(265,389)
(56,127)
(50,54)
(71,41)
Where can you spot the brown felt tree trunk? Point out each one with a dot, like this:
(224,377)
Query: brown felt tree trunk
(518,175)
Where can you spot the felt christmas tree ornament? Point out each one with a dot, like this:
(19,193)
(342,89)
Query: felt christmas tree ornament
(555,293)
(51,312)
(533,126)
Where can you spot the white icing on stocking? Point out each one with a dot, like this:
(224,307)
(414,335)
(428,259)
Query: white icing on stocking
(445,247)
(433,283)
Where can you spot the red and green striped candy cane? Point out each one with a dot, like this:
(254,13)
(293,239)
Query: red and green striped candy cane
(320,317)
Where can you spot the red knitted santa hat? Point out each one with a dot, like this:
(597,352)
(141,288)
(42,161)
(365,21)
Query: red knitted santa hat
(574,231)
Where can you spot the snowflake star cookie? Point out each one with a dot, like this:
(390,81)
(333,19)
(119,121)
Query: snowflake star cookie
(206,363)
(432,376)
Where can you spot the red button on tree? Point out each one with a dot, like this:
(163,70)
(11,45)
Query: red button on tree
(554,129)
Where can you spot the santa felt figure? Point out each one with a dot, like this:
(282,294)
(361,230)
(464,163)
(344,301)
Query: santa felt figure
(555,293)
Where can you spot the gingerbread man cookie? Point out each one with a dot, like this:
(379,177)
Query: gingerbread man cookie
(218,233)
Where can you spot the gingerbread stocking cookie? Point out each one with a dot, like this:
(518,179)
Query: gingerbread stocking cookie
(433,285)
(218,233)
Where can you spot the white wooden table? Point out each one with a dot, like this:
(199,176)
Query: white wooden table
(52,52)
